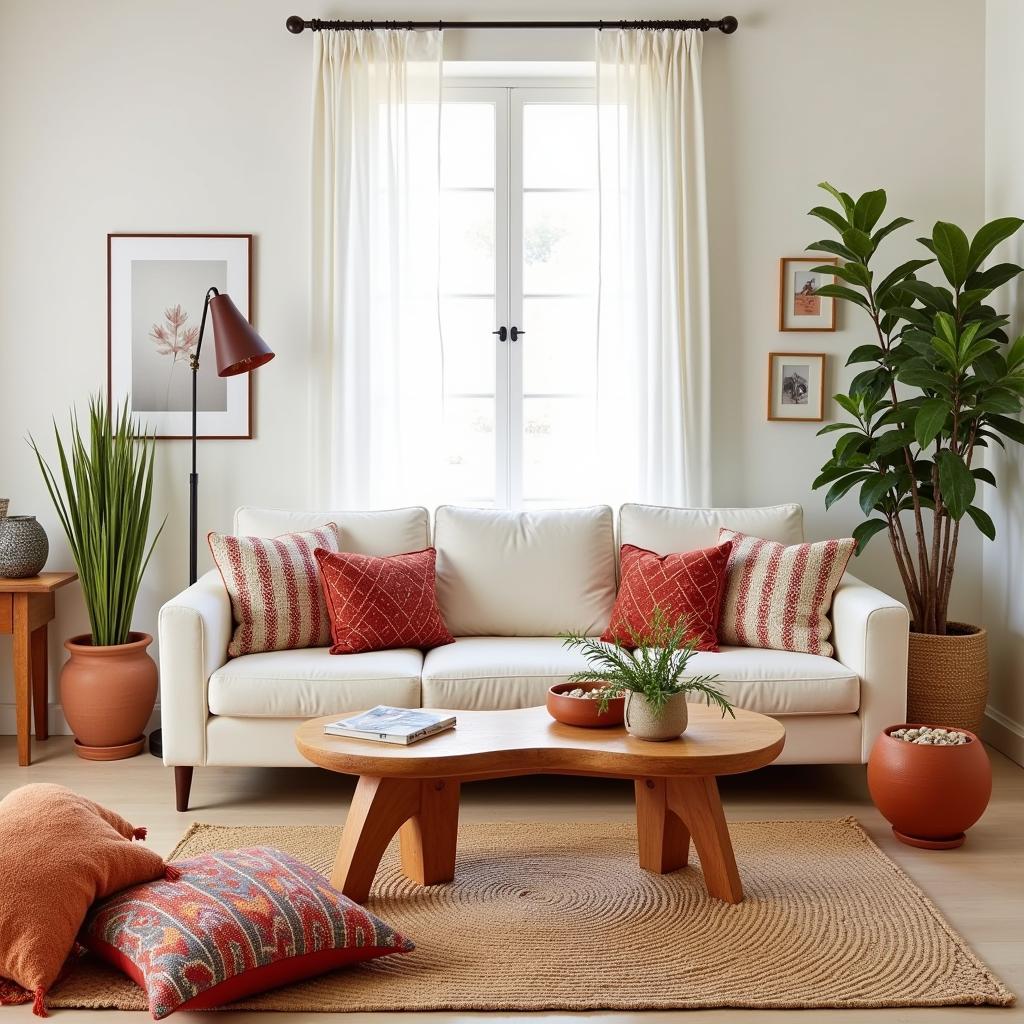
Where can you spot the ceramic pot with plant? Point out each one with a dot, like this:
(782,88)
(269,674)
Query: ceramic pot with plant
(941,381)
(103,497)
(931,783)
(651,672)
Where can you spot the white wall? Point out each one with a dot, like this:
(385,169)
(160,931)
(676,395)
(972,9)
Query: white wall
(127,115)
(1002,605)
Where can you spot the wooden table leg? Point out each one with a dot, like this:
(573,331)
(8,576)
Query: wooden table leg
(22,678)
(379,809)
(663,841)
(40,683)
(696,801)
(429,838)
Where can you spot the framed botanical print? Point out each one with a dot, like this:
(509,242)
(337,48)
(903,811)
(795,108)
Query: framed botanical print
(800,306)
(796,385)
(156,289)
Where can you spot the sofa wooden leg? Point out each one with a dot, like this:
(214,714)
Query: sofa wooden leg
(182,786)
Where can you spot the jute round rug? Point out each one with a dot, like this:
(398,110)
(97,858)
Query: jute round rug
(545,916)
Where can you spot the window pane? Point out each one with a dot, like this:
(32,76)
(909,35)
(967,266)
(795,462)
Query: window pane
(555,433)
(559,145)
(466,326)
(467,242)
(467,145)
(559,349)
(469,450)
(559,242)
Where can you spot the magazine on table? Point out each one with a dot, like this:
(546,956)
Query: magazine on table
(391,725)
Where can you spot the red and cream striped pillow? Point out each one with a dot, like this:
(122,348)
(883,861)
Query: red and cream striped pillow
(274,586)
(778,596)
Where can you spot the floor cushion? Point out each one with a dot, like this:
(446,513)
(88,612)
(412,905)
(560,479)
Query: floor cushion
(235,923)
(59,852)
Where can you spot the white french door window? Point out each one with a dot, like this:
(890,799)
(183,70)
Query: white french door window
(518,294)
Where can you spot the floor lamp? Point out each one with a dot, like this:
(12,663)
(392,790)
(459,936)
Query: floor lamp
(239,349)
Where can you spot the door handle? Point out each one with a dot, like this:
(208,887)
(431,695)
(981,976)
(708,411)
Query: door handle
(516,333)
(502,333)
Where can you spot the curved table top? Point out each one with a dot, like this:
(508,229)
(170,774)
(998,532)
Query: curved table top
(529,741)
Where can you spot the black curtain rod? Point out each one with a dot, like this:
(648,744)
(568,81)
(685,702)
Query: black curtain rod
(295,24)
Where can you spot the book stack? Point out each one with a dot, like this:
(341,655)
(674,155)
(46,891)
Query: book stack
(391,725)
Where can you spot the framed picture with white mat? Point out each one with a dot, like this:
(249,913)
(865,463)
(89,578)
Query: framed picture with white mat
(156,288)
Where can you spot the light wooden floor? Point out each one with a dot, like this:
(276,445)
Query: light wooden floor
(980,887)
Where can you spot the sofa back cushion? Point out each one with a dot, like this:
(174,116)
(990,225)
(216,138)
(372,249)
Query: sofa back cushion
(525,573)
(667,530)
(390,532)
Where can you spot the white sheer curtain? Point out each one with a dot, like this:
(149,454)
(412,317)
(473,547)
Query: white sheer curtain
(654,334)
(377,399)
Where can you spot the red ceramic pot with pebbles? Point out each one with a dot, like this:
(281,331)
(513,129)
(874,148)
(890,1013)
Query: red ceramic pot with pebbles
(930,784)
(583,709)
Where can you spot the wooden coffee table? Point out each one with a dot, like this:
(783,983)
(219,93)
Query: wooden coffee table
(414,790)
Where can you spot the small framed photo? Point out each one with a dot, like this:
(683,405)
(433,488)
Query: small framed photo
(800,307)
(796,385)
(156,288)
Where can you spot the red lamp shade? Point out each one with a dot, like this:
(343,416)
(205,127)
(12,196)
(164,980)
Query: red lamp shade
(239,348)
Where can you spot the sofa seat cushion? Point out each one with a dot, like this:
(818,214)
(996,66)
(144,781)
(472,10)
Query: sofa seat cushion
(486,672)
(515,672)
(314,682)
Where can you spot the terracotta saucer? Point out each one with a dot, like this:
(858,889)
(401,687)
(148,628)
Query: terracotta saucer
(117,753)
(949,843)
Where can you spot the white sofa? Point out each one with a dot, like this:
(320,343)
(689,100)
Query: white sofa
(508,583)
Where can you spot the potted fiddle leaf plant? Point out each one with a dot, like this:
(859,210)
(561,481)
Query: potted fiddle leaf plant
(941,381)
(103,492)
(651,672)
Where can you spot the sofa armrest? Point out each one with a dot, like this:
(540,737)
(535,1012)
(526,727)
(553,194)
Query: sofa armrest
(195,629)
(871,634)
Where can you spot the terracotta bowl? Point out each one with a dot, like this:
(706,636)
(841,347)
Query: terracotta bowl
(583,710)
(930,795)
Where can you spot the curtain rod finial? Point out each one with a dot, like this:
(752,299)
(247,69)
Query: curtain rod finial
(729,24)
(295,24)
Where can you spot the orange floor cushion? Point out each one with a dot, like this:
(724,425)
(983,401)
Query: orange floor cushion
(59,853)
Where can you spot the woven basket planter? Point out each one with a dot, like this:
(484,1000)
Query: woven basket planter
(947,677)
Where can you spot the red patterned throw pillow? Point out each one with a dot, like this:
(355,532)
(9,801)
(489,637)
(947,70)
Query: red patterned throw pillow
(235,923)
(274,588)
(377,604)
(689,583)
(778,596)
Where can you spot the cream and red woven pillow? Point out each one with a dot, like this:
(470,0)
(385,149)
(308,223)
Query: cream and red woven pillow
(689,583)
(274,586)
(778,596)
(377,604)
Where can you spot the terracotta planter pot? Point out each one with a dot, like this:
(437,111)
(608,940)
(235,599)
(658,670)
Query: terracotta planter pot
(108,694)
(930,795)
(947,677)
(645,724)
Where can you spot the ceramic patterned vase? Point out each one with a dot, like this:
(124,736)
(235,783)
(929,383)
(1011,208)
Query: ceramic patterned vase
(643,722)
(23,547)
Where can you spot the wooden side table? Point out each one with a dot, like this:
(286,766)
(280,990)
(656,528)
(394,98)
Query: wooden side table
(26,606)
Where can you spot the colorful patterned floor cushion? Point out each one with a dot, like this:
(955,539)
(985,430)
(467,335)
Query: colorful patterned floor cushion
(59,852)
(235,923)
